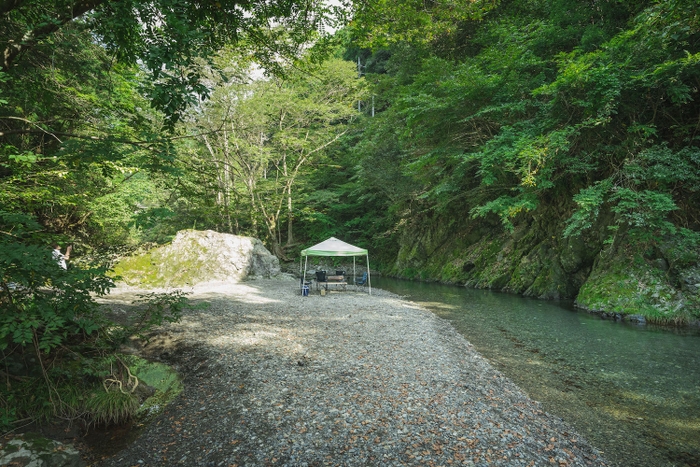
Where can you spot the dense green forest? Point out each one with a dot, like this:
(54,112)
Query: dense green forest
(544,148)
(549,148)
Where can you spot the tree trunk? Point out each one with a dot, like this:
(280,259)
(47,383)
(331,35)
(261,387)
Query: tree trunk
(278,251)
(290,220)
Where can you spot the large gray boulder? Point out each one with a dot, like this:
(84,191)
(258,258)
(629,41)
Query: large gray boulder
(195,257)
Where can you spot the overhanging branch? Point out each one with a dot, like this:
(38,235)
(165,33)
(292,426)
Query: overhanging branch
(17,46)
(138,143)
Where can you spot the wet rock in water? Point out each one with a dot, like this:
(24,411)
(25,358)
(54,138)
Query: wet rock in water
(639,319)
(611,315)
(35,451)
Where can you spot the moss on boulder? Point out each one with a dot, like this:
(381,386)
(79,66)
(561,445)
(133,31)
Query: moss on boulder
(533,260)
(162,378)
(626,283)
(199,256)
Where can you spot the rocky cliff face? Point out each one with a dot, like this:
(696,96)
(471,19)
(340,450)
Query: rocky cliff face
(199,256)
(536,260)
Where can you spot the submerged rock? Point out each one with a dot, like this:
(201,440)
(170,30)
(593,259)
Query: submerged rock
(35,451)
(639,319)
(199,256)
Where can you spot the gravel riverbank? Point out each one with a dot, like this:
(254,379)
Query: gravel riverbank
(347,379)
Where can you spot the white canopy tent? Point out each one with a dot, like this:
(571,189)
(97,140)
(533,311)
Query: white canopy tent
(335,247)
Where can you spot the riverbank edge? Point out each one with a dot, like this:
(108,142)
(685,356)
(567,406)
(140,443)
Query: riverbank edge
(603,313)
(609,313)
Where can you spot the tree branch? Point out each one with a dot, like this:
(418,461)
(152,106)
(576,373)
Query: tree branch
(30,38)
(34,124)
(56,134)
(21,379)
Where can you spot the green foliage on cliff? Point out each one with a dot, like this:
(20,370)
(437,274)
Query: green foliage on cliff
(575,121)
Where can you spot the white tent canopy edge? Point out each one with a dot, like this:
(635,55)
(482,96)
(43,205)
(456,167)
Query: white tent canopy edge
(335,247)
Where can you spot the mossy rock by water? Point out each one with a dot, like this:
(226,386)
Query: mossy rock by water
(628,284)
(199,256)
(162,378)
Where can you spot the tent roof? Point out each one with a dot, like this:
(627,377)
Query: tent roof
(333,247)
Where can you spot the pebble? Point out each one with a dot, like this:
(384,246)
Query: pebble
(383,382)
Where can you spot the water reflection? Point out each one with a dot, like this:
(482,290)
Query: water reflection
(633,391)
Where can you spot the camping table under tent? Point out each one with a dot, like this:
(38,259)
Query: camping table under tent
(335,247)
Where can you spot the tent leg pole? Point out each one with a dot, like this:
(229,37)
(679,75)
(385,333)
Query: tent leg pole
(354,274)
(303,277)
(369,277)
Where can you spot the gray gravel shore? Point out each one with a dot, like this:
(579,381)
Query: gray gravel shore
(347,379)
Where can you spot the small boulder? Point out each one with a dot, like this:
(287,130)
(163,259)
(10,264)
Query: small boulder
(639,319)
(34,451)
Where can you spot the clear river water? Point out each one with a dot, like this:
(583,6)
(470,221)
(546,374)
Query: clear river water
(632,390)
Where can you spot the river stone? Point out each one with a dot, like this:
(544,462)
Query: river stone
(639,319)
(34,451)
(196,257)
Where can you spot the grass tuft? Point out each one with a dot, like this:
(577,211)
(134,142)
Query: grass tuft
(110,407)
